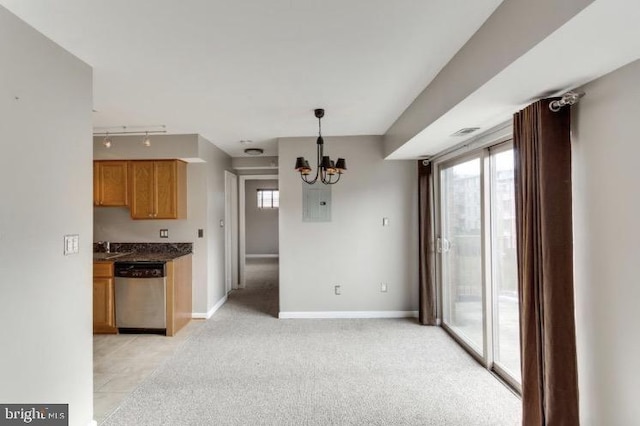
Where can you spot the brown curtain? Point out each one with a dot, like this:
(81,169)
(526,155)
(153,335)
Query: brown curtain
(545,265)
(427,294)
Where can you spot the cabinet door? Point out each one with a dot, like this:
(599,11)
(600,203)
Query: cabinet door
(141,176)
(96,183)
(112,183)
(166,190)
(103,309)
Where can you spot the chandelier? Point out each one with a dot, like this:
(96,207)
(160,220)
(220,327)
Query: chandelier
(327,171)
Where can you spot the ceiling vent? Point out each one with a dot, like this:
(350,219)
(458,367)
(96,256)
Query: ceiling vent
(465,131)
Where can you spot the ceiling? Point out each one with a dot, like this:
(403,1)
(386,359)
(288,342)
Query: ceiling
(254,69)
(603,37)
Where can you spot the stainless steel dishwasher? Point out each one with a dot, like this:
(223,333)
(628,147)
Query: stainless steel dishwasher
(141,297)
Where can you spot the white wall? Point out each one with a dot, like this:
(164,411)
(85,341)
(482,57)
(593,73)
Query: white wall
(218,162)
(261,225)
(203,203)
(46,192)
(354,250)
(607,247)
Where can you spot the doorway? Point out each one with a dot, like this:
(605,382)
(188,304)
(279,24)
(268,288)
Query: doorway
(259,241)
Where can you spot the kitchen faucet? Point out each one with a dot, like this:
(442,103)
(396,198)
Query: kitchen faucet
(106,245)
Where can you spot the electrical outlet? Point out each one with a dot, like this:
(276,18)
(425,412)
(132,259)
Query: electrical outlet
(164,233)
(200,233)
(383,287)
(337,290)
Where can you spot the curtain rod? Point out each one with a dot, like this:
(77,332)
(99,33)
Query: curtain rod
(568,98)
(139,132)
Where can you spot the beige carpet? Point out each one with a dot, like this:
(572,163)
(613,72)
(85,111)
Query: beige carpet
(261,272)
(246,367)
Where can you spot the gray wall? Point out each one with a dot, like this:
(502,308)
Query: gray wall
(46,191)
(261,225)
(607,247)
(354,250)
(205,199)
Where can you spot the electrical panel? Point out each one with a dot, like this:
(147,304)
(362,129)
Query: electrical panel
(316,202)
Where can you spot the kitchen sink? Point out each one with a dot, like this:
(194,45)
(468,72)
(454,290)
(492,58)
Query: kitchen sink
(108,256)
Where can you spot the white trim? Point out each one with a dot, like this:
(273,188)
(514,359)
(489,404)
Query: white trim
(242,213)
(261,256)
(347,314)
(212,311)
(230,230)
(93,423)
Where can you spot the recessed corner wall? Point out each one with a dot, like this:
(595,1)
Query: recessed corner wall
(354,250)
(45,181)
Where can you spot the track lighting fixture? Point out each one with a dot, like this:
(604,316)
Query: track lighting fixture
(107,141)
(107,132)
(147,140)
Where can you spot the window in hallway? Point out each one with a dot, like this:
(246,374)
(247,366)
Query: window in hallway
(268,198)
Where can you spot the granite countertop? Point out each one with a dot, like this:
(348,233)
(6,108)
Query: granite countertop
(142,252)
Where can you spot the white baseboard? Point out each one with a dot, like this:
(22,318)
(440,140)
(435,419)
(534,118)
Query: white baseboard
(348,314)
(209,314)
(93,423)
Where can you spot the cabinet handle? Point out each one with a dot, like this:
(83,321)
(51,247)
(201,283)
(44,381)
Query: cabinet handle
(150,214)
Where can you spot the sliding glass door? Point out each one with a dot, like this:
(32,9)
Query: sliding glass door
(477,257)
(461,248)
(504,272)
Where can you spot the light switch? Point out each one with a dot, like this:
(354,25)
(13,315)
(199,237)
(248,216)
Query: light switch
(71,244)
(385,221)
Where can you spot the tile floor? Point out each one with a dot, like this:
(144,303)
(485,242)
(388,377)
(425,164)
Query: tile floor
(122,361)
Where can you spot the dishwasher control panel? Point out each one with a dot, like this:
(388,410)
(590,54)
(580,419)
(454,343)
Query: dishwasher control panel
(140,269)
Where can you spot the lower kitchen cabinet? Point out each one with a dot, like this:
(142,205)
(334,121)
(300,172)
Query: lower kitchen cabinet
(104,320)
(179,279)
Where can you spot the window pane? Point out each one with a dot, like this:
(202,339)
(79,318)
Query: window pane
(504,266)
(268,198)
(462,251)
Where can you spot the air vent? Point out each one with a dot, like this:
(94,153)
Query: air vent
(465,131)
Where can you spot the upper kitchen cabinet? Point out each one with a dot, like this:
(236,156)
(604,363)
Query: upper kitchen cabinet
(110,188)
(158,189)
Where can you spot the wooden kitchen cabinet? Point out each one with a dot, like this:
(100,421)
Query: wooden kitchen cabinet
(179,283)
(110,183)
(104,319)
(158,189)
